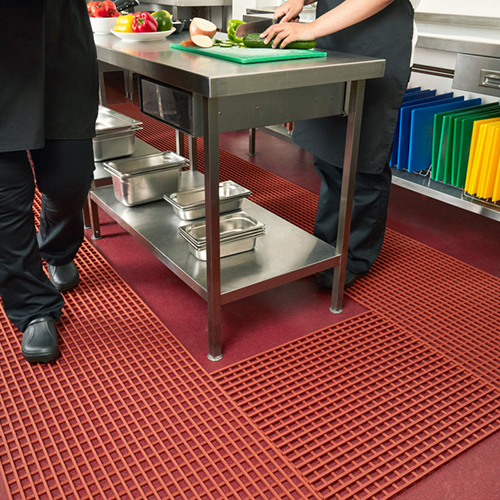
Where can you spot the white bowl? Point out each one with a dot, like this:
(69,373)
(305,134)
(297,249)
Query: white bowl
(102,25)
(142,37)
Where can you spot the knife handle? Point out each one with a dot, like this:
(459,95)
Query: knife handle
(277,20)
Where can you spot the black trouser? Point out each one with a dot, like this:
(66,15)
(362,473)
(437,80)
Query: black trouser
(369,213)
(63,172)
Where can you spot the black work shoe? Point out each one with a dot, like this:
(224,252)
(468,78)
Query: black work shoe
(65,277)
(325,278)
(39,344)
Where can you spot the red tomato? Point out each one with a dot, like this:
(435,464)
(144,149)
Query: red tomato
(112,12)
(89,8)
(99,9)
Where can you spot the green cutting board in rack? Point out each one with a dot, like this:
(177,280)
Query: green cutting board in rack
(247,55)
(445,123)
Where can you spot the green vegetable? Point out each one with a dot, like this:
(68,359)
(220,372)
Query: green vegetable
(226,43)
(254,41)
(163,19)
(231,30)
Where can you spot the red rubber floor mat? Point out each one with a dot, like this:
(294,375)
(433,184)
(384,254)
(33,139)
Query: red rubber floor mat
(126,412)
(450,305)
(364,409)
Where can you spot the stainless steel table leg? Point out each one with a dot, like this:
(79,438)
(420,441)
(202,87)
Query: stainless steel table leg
(86,214)
(211,152)
(348,181)
(93,213)
(102,89)
(251,142)
(128,79)
(179,143)
(94,219)
(193,153)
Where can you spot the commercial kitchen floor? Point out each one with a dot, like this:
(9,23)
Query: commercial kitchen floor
(470,238)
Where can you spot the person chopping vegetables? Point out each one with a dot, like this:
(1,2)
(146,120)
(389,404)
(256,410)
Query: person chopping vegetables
(48,107)
(376,28)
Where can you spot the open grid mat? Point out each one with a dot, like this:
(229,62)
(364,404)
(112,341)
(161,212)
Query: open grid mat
(363,409)
(126,412)
(451,305)
(359,410)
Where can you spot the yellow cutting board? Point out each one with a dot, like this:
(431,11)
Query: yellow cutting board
(476,154)
(488,169)
(496,188)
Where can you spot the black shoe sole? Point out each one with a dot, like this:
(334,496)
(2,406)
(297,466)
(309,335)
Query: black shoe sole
(46,358)
(66,288)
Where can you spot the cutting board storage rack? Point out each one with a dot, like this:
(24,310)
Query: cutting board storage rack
(456,140)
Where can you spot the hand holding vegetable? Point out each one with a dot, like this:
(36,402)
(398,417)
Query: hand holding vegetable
(253,40)
(284,33)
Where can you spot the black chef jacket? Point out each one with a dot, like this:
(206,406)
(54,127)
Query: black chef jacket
(48,73)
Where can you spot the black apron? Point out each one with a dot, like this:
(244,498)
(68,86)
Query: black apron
(48,77)
(387,35)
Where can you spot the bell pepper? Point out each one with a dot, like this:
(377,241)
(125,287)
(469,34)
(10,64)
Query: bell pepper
(99,9)
(231,30)
(144,22)
(124,23)
(163,19)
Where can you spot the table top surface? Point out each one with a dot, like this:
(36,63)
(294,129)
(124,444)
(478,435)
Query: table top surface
(219,78)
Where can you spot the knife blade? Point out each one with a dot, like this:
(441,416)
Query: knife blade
(256,26)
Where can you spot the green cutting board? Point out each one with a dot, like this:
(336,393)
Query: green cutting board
(247,55)
(444,125)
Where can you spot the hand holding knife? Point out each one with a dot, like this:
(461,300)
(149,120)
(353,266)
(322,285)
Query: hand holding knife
(258,26)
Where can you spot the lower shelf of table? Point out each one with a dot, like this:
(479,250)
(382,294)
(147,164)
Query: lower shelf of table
(285,253)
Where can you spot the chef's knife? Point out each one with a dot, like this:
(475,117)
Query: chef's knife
(122,5)
(256,27)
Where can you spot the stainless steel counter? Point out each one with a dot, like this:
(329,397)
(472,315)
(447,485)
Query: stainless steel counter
(452,33)
(232,97)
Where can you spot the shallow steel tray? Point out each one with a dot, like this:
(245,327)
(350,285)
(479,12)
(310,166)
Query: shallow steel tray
(238,232)
(231,225)
(190,204)
(109,121)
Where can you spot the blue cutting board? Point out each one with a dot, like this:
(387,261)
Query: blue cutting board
(409,96)
(421,133)
(247,55)
(405,124)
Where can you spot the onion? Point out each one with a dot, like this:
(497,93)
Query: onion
(203,41)
(201,26)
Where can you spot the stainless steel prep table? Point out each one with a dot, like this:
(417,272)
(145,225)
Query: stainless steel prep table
(226,97)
